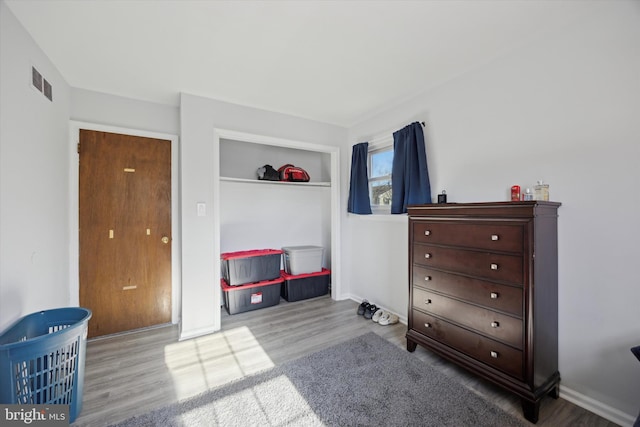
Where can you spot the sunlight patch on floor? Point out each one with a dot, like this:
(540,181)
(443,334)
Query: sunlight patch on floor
(275,402)
(202,363)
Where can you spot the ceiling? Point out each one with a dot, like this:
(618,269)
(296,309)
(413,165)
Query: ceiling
(333,61)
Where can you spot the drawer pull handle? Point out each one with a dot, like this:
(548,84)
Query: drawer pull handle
(494,354)
(427,256)
(495,237)
(427,232)
(494,266)
(494,295)
(427,301)
(495,324)
(427,278)
(427,325)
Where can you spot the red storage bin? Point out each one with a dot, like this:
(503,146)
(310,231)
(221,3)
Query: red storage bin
(253,296)
(251,266)
(304,286)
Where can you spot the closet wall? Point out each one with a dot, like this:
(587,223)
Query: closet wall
(263,214)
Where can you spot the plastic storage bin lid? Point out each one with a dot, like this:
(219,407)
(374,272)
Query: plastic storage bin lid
(226,288)
(287,276)
(301,248)
(246,254)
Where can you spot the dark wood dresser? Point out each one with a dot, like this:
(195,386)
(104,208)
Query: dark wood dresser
(483,292)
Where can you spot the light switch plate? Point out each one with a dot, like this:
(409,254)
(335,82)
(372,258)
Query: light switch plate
(201,208)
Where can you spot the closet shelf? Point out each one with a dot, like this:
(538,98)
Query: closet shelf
(260,182)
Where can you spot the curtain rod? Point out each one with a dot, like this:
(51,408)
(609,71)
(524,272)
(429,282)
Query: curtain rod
(381,138)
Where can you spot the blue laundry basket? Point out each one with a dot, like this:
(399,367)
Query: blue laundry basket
(42,359)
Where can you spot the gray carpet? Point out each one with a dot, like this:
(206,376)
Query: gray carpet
(366,381)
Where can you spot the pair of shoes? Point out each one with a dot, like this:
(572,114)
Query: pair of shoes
(370,311)
(388,318)
(377,315)
(363,307)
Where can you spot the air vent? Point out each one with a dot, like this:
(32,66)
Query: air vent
(47,90)
(36,79)
(41,84)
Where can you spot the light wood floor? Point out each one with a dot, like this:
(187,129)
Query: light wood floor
(134,373)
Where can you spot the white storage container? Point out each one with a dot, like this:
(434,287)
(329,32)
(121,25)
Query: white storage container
(302,259)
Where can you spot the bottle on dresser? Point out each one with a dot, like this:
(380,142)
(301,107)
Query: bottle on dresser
(541,191)
(527,195)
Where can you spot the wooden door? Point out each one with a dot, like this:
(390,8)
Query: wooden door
(125,231)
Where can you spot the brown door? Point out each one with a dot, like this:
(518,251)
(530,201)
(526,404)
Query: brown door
(125,231)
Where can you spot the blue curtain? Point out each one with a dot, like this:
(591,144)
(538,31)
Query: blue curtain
(359,185)
(409,176)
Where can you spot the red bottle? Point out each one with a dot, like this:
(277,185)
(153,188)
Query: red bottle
(515,193)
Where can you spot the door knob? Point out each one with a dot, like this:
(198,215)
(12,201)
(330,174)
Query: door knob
(165,239)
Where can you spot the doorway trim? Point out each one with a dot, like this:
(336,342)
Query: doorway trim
(74,220)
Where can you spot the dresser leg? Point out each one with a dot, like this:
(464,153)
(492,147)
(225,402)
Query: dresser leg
(555,391)
(531,410)
(411,346)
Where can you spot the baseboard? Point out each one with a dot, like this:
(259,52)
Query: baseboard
(132,331)
(402,319)
(605,411)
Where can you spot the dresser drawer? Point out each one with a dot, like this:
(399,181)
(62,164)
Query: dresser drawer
(489,294)
(493,353)
(495,325)
(507,268)
(493,237)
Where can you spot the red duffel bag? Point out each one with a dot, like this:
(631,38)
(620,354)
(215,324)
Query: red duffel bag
(292,173)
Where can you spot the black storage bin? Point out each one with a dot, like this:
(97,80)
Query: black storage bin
(304,286)
(251,266)
(253,296)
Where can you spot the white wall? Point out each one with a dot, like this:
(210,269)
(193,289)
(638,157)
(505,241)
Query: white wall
(261,215)
(564,108)
(33,179)
(200,164)
(102,108)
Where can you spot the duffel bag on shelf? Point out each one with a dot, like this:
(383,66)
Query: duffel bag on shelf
(293,173)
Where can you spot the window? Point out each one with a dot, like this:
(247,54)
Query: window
(380,164)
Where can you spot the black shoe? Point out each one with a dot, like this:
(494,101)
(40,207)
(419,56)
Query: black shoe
(368,313)
(363,307)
